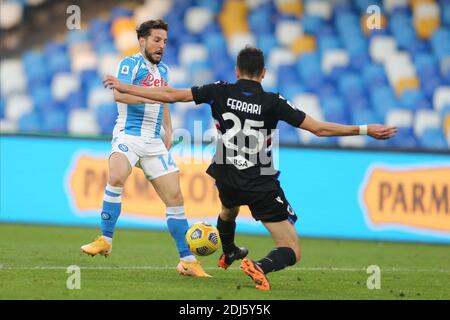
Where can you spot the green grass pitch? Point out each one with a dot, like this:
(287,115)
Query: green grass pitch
(33,262)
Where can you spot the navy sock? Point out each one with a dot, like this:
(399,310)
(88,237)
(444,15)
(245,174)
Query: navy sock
(277,259)
(226,232)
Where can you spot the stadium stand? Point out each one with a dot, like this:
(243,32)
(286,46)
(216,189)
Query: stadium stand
(320,54)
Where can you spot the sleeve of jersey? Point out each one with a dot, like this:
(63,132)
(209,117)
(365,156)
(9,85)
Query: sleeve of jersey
(125,70)
(289,114)
(203,94)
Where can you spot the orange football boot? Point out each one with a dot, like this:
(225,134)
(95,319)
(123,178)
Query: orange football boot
(250,268)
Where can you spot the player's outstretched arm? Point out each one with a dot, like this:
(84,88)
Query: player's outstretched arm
(328,129)
(130,99)
(161,94)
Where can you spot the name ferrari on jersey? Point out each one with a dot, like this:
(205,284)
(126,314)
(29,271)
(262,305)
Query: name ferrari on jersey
(243,106)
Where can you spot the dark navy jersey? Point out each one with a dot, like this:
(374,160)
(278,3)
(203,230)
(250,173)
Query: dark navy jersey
(246,118)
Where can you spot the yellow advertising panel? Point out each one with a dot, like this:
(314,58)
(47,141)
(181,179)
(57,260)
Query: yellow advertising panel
(89,175)
(414,197)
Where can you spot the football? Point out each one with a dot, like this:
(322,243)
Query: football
(203,239)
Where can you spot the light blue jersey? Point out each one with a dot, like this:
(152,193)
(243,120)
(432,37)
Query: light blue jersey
(141,119)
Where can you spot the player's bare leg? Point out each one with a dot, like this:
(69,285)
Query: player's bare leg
(286,253)
(119,171)
(168,189)
(226,224)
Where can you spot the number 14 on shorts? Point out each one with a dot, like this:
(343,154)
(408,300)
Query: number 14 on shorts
(169,163)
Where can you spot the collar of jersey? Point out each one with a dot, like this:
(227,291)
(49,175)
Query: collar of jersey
(254,86)
(147,62)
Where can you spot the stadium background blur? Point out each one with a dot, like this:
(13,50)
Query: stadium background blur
(323,56)
(56,121)
(319,54)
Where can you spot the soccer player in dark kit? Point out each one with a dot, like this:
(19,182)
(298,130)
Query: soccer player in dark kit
(246,118)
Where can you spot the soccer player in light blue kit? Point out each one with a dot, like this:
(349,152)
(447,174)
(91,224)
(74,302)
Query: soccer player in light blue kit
(137,142)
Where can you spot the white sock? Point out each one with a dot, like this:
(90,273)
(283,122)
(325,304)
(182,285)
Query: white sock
(190,258)
(108,239)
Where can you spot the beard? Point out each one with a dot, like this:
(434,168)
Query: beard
(151,59)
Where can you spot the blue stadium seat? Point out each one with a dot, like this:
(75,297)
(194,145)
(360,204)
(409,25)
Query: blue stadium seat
(29,122)
(98,26)
(266,42)
(224,68)
(258,22)
(41,96)
(53,47)
(401,27)
(445,5)
(118,12)
(2,108)
(359,61)
(213,5)
(337,72)
(106,117)
(364,116)
(373,143)
(90,80)
(214,41)
(325,141)
(374,75)
(105,48)
(382,99)
(36,68)
(433,138)
(356,45)
(356,93)
(58,62)
(362,5)
(404,139)
(445,111)
(290,90)
(425,64)
(410,99)
(358,103)
(288,134)
(418,46)
(287,74)
(75,100)
(327,89)
(310,70)
(440,43)
(77,36)
(312,24)
(200,114)
(334,109)
(55,121)
(350,84)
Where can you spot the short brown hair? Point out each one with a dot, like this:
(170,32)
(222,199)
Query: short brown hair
(145,29)
(250,61)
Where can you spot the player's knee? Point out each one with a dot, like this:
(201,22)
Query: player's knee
(117,180)
(298,253)
(229,214)
(296,249)
(176,198)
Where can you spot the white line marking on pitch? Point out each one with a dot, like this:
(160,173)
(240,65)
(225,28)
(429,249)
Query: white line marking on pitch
(344,269)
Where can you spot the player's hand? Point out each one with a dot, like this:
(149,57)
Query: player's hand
(381,132)
(113,83)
